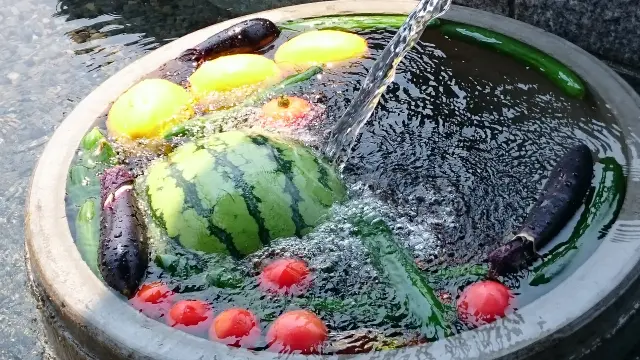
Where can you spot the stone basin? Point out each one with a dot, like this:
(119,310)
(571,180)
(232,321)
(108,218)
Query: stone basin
(86,320)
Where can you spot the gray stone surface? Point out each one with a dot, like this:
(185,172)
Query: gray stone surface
(495,6)
(608,29)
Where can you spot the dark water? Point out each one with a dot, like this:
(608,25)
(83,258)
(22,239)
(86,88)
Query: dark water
(452,160)
(53,54)
(381,74)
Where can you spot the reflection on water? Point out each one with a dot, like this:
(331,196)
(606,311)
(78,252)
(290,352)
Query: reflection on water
(106,28)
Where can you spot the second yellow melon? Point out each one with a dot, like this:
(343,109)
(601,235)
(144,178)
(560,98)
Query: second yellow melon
(227,73)
(320,47)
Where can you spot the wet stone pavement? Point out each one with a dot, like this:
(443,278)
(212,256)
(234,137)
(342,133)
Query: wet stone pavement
(52,54)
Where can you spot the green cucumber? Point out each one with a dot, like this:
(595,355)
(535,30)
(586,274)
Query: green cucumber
(349,22)
(363,306)
(569,82)
(178,266)
(83,193)
(403,275)
(595,219)
(282,86)
(223,279)
(88,233)
(224,273)
(452,273)
(196,125)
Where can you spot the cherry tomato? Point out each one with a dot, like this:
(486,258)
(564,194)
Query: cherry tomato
(285,276)
(484,302)
(153,299)
(193,316)
(235,327)
(297,331)
(286,110)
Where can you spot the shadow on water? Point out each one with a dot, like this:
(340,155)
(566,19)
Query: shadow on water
(107,30)
(158,21)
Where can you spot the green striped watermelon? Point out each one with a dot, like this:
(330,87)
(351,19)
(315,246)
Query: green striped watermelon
(234,192)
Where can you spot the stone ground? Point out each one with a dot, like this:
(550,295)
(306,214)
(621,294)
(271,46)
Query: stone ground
(51,55)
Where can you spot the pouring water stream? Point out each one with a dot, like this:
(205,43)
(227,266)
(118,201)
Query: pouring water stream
(380,76)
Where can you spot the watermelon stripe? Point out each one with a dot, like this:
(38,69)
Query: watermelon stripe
(285,167)
(190,192)
(246,191)
(154,215)
(260,140)
(323,179)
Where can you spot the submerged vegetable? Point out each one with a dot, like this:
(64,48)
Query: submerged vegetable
(233,192)
(177,266)
(599,213)
(320,47)
(123,255)
(484,302)
(247,71)
(557,72)
(83,191)
(288,276)
(88,233)
(298,331)
(560,198)
(350,22)
(451,273)
(148,109)
(401,272)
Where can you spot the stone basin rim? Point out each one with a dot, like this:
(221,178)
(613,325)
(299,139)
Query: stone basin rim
(104,326)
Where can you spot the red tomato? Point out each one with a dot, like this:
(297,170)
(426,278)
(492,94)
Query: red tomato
(286,110)
(483,302)
(285,276)
(193,316)
(153,299)
(235,327)
(297,331)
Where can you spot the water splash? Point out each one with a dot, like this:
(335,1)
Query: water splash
(380,76)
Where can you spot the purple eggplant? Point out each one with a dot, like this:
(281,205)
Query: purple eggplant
(246,37)
(123,254)
(561,197)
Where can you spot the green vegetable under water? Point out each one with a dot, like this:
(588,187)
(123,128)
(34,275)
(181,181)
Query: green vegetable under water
(454,273)
(554,70)
(83,191)
(350,23)
(402,273)
(195,126)
(597,216)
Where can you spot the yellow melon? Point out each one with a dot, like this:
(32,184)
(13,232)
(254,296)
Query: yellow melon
(320,47)
(148,108)
(231,72)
